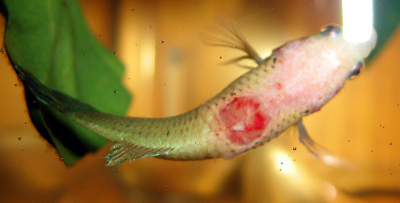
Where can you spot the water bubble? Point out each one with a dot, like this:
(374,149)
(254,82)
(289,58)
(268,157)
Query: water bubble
(280,169)
(133,10)
(220,57)
(20,138)
(166,186)
(117,170)
(62,159)
(294,148)
(348,140)
(115,52)
(101,35)
(372,150)
(115,92)
(16,85)
(2,50)
(162,42)
(84,55)
(390,143)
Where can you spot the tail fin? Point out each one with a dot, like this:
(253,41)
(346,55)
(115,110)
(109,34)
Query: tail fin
(57,100)
(69,139)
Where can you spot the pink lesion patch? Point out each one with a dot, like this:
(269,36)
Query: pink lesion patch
(244,120)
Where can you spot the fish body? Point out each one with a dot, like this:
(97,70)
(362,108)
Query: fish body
(296,80)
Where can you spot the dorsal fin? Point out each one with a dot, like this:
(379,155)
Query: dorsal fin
(126,150)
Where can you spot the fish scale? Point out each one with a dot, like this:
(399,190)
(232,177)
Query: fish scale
(296,80)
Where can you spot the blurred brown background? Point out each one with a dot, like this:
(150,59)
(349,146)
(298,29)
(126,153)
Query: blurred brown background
(360,124)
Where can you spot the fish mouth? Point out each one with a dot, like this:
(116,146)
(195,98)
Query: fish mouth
(374,38)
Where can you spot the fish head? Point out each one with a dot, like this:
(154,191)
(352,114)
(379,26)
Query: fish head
(348,56)
(316,67)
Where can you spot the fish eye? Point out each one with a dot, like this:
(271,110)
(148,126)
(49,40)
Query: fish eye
(331,30)
(357,69)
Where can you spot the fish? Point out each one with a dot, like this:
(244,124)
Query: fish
(296,80)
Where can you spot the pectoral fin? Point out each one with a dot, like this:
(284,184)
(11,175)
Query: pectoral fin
(126,150)
(317,150)
(228,35)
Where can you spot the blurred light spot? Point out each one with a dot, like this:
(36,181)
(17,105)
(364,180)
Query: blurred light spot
(147,58)
(285,164)
(357,20)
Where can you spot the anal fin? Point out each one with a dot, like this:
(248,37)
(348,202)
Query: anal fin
(125,150)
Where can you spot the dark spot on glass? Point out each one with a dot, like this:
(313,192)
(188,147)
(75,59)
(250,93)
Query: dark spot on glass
(274,60)
(307,111)
(167,133)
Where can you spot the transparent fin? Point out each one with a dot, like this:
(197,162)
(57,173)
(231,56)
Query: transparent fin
(317,150)
(125,150)
(227,34)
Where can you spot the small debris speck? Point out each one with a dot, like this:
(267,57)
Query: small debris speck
(20,138)
(115,52)
(115,92)
(117,170)
(162,42)
(390,143)
(16,85)
(348,140)
(281,163)
(220,57)
(294,148)
(166,186)
(2,50)
(133,10)
(101,35)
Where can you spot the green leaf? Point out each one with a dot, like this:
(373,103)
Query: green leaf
(51,40)
(386,21)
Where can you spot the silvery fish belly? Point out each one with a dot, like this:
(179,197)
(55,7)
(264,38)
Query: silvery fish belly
(296,80)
